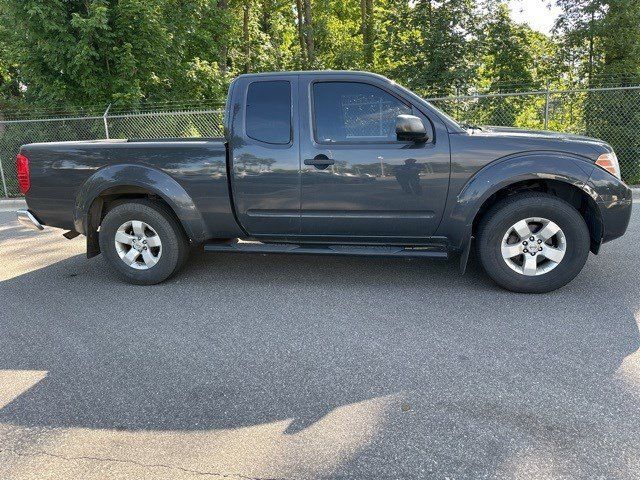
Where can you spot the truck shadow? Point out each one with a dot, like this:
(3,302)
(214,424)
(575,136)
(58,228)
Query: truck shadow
(244,340)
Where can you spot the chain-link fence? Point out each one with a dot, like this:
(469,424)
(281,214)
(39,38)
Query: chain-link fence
(611,114)
(14,133)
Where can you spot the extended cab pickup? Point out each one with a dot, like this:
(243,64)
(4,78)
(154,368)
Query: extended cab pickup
(341,163)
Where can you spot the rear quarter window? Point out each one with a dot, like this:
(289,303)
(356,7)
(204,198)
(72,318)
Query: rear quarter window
(268,113)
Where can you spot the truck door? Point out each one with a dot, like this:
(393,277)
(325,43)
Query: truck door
(357,179)
(263,148)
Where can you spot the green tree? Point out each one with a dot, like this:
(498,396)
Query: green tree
(441,48)
(605,38)
(506,66)
(105,51)
(338,34)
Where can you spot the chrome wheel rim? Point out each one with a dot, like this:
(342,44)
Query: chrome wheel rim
(533,246)
(138,245)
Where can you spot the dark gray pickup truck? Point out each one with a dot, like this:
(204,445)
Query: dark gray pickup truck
(340,163)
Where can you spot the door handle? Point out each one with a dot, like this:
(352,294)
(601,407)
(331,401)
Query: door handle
(319,161)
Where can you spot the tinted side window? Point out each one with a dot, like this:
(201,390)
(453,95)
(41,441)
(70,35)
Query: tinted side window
(268,117)
(351,112)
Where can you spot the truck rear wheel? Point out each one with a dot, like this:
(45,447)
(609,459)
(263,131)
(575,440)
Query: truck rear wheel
(533,243)
(143,242)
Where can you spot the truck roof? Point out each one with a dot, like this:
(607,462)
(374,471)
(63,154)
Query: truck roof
(315,72)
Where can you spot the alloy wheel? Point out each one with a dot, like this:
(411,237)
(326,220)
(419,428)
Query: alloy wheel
(533,246)
(138,245)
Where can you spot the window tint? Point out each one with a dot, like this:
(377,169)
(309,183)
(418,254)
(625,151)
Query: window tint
(351,112)
(269,112)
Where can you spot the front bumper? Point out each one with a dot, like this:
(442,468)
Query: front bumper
(614,200)
(28,219)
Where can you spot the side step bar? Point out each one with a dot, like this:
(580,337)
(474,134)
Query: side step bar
(359,250)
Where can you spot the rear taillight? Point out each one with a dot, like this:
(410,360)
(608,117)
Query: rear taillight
(24,179)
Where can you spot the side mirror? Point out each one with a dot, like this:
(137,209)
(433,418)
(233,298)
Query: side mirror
(410,129)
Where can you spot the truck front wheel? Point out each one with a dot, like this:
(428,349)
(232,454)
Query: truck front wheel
(143,242)
(533,243)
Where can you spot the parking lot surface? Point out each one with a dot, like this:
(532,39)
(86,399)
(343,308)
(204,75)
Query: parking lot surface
(253,366)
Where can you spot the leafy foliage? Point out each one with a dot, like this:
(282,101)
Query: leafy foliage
(71,54)
(61,53)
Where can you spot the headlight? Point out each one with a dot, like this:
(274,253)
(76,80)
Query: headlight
(609,161)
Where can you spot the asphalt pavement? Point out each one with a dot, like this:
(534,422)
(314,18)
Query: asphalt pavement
(250,366)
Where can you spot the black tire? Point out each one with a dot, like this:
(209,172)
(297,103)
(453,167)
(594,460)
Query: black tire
(497,221)
(175,245)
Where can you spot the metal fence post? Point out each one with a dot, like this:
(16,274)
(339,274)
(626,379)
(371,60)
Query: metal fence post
(4,182)
(106,125)
(546,108)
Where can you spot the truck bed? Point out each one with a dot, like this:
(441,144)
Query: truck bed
(63,174)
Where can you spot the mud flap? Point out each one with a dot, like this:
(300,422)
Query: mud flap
(464,257)
(93,245)
(70,235)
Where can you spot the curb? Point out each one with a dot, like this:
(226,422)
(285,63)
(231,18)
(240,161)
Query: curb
(12,203)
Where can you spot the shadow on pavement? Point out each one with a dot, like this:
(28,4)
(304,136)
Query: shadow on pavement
(486,380)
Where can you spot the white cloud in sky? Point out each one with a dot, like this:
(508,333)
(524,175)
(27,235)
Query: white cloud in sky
(539,14)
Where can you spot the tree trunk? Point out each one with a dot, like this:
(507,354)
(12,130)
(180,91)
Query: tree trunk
(308,31)
(245,36)
(303,46)
(265,19)
(593,17)
(224,49)
(267,27)
(368,32)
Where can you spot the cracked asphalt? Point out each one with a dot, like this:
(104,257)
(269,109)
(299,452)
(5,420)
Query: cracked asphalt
(260,367)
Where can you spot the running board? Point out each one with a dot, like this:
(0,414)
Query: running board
(358,250)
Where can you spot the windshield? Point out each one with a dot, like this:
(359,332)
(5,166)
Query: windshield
(443,116)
